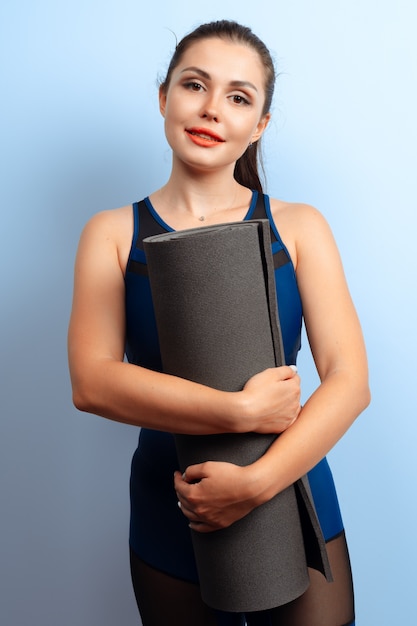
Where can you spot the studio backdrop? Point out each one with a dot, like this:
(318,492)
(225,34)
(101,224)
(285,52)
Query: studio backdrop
(81,132)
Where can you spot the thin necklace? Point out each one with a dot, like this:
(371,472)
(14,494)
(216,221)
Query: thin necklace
(203,217)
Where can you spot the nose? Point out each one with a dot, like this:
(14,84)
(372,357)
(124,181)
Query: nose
(210,114)
(211,109)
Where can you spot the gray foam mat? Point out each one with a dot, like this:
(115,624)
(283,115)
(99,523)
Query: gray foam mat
(216,310)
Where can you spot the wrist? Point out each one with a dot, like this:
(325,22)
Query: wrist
(260,483)
(242,416)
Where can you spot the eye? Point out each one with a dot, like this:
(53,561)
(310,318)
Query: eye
(192,85)
(239,99)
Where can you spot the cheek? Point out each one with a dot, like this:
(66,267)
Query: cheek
(171,120)
(178,107)
(245,128)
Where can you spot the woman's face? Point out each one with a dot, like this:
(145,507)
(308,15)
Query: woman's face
(213,107)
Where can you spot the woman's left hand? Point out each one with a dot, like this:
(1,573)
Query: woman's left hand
(214,494)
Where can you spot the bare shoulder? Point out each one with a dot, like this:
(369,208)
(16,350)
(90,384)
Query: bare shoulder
(112,221)
(296,213)
(110,231)
(300,226)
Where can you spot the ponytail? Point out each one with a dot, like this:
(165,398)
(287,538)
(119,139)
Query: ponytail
(246,169)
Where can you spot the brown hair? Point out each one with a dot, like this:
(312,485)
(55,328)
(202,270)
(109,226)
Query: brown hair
(246,169)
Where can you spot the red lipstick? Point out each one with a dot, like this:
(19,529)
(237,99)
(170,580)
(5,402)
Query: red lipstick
(204,137)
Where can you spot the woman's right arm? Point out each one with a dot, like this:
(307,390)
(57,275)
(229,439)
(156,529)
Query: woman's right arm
(104,384)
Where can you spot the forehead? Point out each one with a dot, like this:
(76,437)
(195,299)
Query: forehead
(224,58)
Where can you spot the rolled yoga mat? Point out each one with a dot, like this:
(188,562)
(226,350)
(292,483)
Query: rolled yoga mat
(215,304)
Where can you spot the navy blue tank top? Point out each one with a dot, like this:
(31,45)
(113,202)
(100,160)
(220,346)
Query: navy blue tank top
(159,532)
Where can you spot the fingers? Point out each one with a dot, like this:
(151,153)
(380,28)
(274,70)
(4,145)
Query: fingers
(194,473)
(189,502)
(212,495)
(194,522)
(200,527)
(281,372)
(189,514)
(181,487)
(286,372)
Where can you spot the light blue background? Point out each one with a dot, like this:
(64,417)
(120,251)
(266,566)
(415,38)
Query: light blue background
(81,132)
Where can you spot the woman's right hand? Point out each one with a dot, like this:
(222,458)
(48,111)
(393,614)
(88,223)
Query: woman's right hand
(273,399)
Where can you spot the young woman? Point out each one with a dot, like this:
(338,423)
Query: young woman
(216,101)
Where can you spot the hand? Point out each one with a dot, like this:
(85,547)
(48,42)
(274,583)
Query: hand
(214,494)
(274,398)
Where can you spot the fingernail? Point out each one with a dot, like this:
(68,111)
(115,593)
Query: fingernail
(179,504)
(293,367)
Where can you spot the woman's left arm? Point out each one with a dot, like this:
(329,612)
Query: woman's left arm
(214,495)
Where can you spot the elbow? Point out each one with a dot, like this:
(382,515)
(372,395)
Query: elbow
(90,387)
(356,391)
(367,396)
(363,397)
(81,402)
(82,399)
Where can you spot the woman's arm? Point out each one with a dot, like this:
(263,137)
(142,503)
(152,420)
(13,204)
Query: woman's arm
(106,385)
(226,492)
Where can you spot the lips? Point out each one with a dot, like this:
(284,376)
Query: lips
(204,137)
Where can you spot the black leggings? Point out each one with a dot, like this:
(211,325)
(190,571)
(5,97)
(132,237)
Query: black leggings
(167,601)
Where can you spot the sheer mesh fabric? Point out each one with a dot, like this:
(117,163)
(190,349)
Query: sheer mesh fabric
(166,601)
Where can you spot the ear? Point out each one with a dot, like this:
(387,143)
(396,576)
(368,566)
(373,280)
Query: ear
(262,124)
(162,100)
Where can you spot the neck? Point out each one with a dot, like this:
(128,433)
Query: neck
(201,195)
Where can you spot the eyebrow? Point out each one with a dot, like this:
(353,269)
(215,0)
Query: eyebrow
(233,83)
